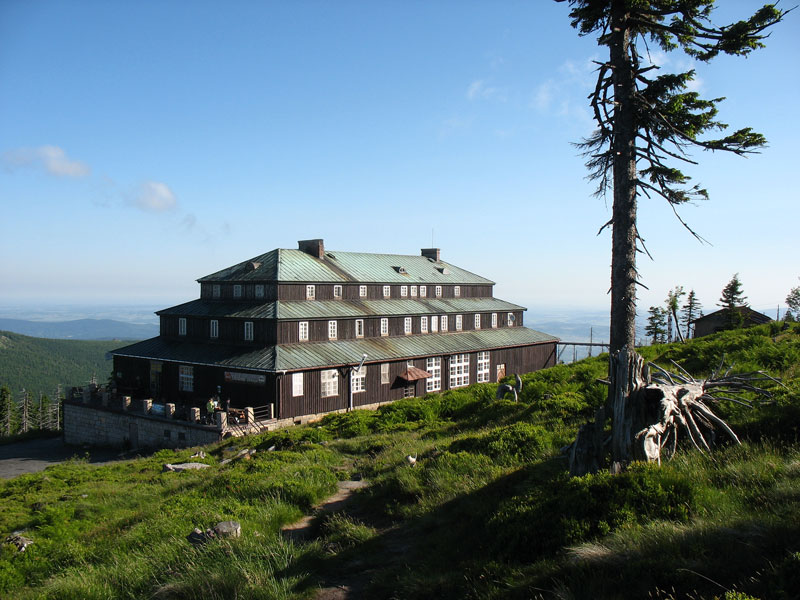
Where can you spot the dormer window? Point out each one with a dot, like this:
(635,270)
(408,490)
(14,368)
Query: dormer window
(457,291)
(310,292)
(403,291)
(423,291)
(413,291)
(337,291)
(362,291)
(237,291)
(401,270)
(438,291)
(387,291)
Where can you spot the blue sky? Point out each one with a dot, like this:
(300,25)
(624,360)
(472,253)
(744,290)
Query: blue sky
(146,144)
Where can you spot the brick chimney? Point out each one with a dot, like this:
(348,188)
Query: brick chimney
(432,253)
(315,248)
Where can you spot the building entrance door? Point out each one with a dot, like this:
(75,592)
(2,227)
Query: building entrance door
(501,371)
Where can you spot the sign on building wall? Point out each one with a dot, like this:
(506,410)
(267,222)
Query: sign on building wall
(234,377)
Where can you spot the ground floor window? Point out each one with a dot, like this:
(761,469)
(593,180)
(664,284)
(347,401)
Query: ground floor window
(483,367)
(330,383)
(408,391)
(459,370)
(434,367)
(385,373)
(297,384)
(185,378)
(358,379)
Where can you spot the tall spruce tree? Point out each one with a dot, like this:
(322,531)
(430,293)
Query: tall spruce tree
(793,302)
(732,301)
(690,311)
(656,325)
(647,122)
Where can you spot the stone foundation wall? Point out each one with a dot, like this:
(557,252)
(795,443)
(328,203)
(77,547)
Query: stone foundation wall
(99,426)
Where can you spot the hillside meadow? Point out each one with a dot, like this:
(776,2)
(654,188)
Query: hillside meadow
(488,510)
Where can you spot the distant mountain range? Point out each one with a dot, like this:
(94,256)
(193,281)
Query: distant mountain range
(81,329)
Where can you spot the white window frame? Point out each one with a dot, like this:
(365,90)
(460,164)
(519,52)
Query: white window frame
(185,378)
(459,322)
(358,379)
(359,328)
(216,291)
(248,331)
(459,370)
(297,384)
(385,373)
(434,367)
(311,292)
(237,290)
(333,330)
(477,320)
(484,361)
(329,383)
(403,291)
(438,291)
(423,324)
(407,326)
(362,291)
(423,291)
(213,329)
(413,291)
(457,291)
(494,320)
(434,324)
(510,319)
(181,325)
(302,331)
(384,326)
(337,291)
(443,323)
(387,291)
(259,290)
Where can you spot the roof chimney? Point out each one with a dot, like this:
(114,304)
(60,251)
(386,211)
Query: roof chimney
(315,248)
(432,253)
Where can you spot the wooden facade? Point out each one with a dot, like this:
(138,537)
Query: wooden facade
(237,340)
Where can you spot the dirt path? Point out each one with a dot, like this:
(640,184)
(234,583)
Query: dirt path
(302,529)
(32,456)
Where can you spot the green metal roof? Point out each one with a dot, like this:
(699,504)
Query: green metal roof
(329,309)
(310,355)
(282,265)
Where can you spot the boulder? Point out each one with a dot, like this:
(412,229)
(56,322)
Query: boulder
(228,529)
(185,467)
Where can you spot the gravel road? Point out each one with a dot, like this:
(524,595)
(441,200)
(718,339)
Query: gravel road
(32,456)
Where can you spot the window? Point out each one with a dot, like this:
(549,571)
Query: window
(362,291)
(510,319)
(457,291)
(302,331)
(248,331)
(494,319)
(483,367)
(413,291)
(297,384)
(310,292)
(423,291)
(358,378)
(259,291)
(444,323)
(408,391)
(434,324)
(329,383)
(385,373)
(237,291)
(337,291)
(423,324)
(434,367)
(407,325)
(185,378)
(387,291)
(359,328)
(332,330)
(459,370)
(214,332)
(384,326)
(403,291)
(477,321)
(215,292)
(438,291)
(182,326)
(459,322)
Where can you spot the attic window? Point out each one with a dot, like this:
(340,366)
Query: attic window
(401,270)
(329,255)
(443,270)
(252,266)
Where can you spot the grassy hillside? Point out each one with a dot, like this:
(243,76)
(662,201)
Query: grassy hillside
(487,512)
(39,365)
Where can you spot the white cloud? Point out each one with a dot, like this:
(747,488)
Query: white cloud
(50,158)
(478,90)
(154,196)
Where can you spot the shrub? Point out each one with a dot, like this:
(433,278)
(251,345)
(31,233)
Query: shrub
(512,444)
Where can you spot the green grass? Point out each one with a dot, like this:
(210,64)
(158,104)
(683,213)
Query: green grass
(487,512)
